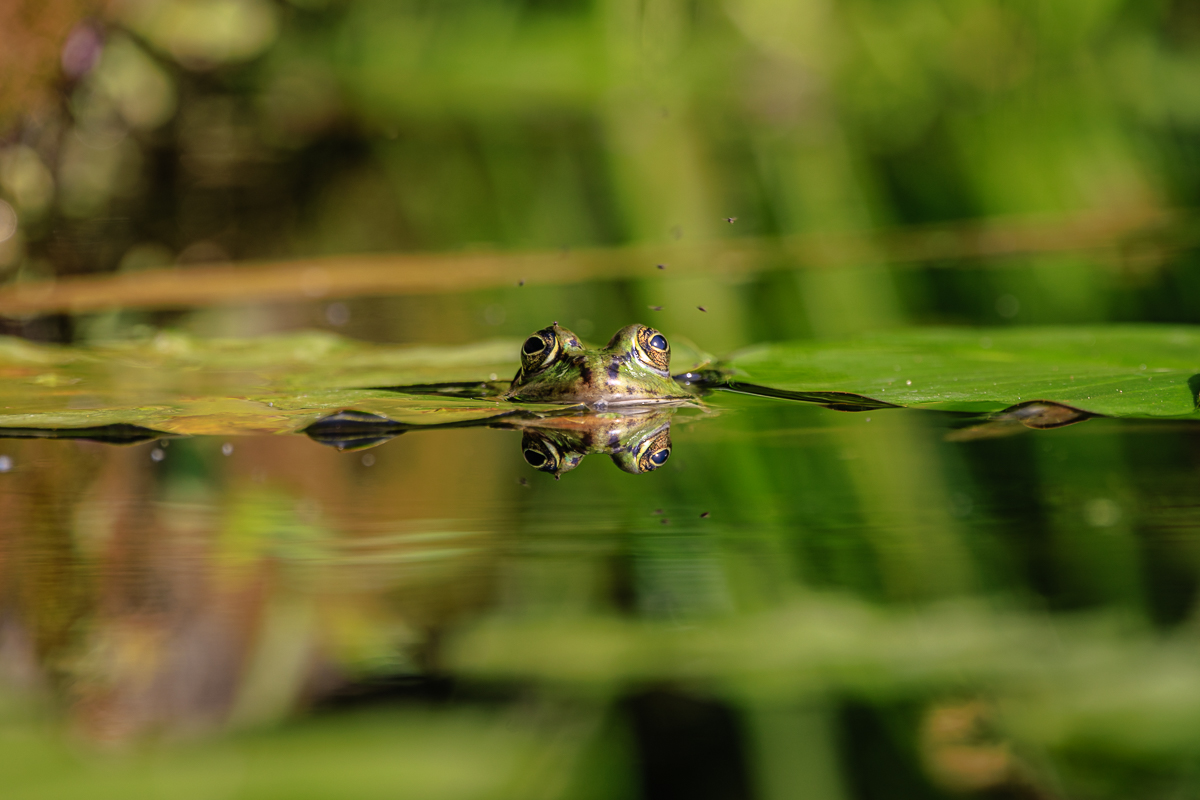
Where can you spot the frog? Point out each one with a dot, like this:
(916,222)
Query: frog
(638,439)
(633,368)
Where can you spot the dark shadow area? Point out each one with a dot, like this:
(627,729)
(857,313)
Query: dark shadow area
(1194,388)
(837,401)
(689,748)
(120,433)
(879,753)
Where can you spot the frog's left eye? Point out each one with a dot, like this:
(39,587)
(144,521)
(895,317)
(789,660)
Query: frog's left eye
(653,349)
(539,351)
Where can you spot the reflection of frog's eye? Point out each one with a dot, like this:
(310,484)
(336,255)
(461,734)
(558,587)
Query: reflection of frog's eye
(654,451)
(535,459)
(653,349)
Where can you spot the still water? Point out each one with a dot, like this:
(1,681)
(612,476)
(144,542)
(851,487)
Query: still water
(800,602)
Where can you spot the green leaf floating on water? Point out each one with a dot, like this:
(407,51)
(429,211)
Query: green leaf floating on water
(282,384)
(178,384)
(1122,371)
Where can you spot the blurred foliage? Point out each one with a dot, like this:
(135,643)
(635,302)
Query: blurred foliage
(35,52)
(203,130)
(873,605)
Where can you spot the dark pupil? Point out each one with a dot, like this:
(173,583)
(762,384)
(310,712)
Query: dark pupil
(659,342)
(535,458)
(533,344)
(660,457)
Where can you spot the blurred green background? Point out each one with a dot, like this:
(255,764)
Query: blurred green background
(878,606)
(170,133)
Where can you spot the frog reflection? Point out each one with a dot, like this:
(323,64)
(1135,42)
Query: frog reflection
(637,442)
(637,439)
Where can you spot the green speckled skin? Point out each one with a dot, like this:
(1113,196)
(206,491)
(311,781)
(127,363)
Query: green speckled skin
(633,368)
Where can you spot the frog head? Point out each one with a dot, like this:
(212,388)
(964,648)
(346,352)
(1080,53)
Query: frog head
(634,367)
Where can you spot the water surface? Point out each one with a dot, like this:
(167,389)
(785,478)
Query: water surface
(850,586)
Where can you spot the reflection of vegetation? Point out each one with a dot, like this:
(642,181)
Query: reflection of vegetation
(844,584)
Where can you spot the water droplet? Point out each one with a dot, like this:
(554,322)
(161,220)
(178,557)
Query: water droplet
(6,463)
(368,460)
(227,449)
(157,454)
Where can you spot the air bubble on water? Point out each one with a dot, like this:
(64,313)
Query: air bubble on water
(368,460)
(157,454)
(6,463)
(227,449)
